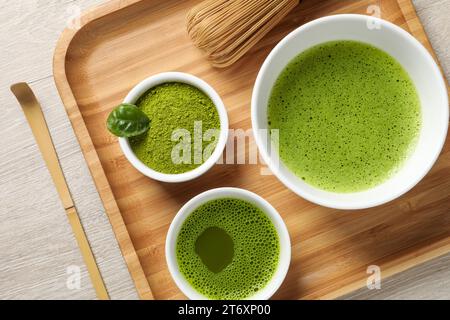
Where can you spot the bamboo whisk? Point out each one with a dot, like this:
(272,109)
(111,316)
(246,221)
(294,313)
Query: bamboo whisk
(226,29)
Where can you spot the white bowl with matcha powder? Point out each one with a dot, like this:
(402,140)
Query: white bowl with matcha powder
(188,127)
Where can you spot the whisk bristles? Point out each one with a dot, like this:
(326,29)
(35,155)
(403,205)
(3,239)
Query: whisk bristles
(226,29)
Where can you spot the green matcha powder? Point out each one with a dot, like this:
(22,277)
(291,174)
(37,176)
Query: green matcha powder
(173,106)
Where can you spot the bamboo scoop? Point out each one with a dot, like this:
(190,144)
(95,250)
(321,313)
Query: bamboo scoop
(226,29)
(36,120)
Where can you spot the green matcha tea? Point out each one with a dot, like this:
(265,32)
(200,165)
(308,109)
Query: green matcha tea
(348,116)
(227,249)
(170,107)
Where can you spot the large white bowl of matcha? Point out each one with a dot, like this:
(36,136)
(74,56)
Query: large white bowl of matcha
(350,111)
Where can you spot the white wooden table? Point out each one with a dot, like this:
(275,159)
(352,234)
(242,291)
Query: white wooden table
(36,241)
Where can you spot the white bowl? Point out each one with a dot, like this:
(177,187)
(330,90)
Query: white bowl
(409,53)
(236,193)
(166,77)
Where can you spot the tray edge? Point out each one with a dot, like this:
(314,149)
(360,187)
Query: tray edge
(89,152)
(417,30)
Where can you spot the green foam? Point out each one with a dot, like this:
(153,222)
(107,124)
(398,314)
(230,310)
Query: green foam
(348,115)
(255,255)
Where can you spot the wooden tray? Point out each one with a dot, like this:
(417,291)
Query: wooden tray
(123,42)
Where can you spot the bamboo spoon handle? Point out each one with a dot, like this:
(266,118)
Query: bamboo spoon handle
(36,120)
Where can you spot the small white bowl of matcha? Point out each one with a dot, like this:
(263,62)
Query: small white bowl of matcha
(228,244)
(358,109)
(188,127)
